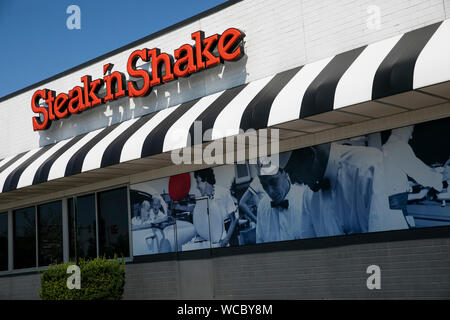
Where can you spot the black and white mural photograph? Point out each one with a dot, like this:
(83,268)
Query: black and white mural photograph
(390,180)
(185,212)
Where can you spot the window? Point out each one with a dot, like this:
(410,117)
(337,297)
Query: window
(113,223)
(50,233)
(82,215)
(112,215)
(3,241)
(97,226)
(24,238)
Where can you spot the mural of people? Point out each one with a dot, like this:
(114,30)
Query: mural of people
(221,209)
(280,210)
(401,163)
(391,180)
(346,191)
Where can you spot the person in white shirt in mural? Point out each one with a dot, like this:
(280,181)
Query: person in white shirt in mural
(251,197)
(222,210)
(401,163)
(144,214)
(279,211)
(346,191)
(158,211)
(151,211)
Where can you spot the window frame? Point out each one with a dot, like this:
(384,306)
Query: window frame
(96,222)
(6,212)
(65,227)
(38,239)
(95,193)
(127,203)
(34,206)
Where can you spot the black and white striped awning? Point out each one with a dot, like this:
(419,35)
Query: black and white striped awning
(403,63)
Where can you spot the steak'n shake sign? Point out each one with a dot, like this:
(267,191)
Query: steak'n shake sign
(186,60)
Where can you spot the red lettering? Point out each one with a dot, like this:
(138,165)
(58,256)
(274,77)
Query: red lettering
(60,105)
(49,101)
(107,67)
(185,64)
(39,124)
(133,90)
(230,44)
(158,59)
(91,89)
(76,100)
(115,78)
(203,48)
(198,37)
(209,45)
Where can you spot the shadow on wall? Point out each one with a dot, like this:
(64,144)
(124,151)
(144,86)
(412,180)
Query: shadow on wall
(221,77)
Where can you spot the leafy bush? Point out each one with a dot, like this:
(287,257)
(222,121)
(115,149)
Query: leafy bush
(101,279)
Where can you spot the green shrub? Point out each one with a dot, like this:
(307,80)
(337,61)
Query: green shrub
(101,279)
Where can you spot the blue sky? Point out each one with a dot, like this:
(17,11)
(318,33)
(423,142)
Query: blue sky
(36,43)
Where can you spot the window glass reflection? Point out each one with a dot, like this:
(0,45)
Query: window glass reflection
(24,238)
(3,241)
(113,223)
(84,235)
(50,233)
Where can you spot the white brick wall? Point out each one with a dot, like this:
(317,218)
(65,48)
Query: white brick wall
(336,26)
(280,35)
(447,8)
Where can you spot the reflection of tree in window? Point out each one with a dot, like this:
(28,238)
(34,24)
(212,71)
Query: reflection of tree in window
(3,241)
(50,233)
(113,223)
(24,238)
(86,227)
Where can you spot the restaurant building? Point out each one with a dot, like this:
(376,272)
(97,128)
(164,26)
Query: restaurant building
(150,152)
